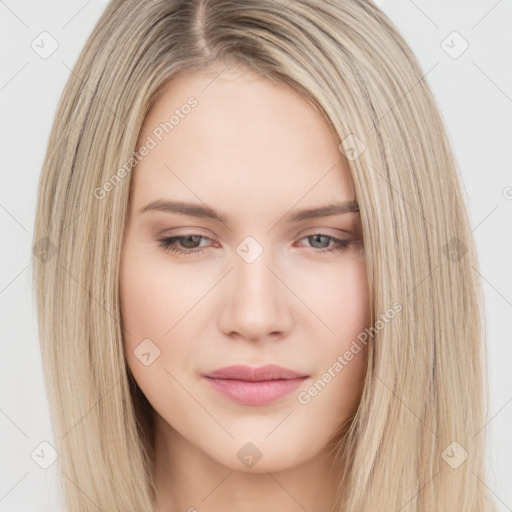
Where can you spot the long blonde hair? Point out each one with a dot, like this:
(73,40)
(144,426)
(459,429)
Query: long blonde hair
(416,441)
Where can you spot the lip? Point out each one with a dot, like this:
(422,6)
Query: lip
(254,386)
(248,373)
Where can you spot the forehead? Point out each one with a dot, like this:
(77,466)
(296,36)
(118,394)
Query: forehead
(245,143)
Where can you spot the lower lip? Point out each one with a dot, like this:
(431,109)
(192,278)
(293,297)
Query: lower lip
(255,393)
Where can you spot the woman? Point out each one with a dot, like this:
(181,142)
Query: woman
(255,287)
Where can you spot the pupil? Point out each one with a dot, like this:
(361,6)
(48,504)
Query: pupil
(189,242)
(316,237)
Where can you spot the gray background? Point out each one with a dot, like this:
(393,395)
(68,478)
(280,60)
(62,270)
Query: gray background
(474,92)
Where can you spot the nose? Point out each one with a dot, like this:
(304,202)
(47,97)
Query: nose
(257,303)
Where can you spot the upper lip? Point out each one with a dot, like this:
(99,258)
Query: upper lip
(248,373)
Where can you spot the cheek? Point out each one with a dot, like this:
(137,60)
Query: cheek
(340,298)
(345,308)
(150,307)
(352,313)
(159,302)
(141,300)
(147,310)
(154,296)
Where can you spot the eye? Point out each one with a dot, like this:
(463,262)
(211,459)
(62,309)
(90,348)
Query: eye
(188,244)
(340,244)
(189,241)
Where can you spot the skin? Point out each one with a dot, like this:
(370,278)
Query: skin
(254,152)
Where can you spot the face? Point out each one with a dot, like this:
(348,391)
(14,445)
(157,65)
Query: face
(238,277)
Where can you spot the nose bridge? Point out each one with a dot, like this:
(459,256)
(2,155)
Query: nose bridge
(257,304)
(255,286)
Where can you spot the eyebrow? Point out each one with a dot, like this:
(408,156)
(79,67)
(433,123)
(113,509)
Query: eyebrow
(204,212)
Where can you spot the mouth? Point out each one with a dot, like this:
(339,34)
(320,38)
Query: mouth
(254,386)
(255,392)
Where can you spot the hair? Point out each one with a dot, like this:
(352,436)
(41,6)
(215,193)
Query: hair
(424,398)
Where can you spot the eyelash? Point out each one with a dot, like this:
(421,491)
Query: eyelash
(166,243)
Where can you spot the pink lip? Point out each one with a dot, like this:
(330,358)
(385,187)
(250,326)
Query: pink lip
(255,386)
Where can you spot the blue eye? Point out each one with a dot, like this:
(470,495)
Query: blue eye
(190,243)
(340,243)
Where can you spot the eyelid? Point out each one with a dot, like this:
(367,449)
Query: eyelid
(310,231)
(340,242)
(185,231)
(335,232)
